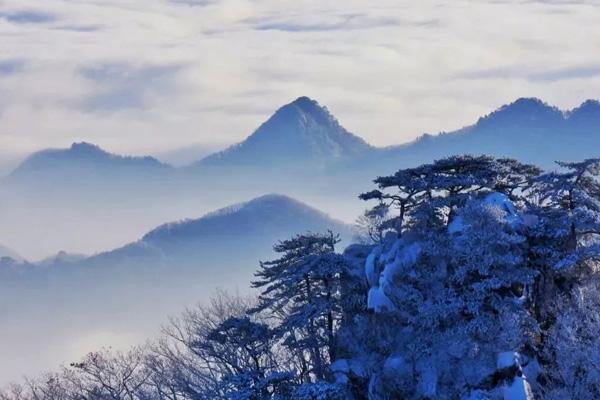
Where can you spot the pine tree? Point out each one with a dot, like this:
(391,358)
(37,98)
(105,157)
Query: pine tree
(302,289)
(251,345)
(452,290)
(434,190)
(565,229)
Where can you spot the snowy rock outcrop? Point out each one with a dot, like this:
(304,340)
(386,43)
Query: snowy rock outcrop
(519,387)
(381,266)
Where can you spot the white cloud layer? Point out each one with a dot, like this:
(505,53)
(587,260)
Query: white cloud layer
(141,76)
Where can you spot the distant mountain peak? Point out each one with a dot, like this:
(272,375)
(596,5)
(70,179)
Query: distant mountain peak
(306,102)
(313,109)
(274,198)
(302,131)
(590,104)
(79,158)
(303,111)
(528,102)
(523,111)
(262,202)
(83,146)
(587,111)
(6,252)
(85,149)
(264,212)
(528,105)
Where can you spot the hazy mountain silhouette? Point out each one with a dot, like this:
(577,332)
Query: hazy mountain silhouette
(303,133)
(5,252)
(86,192)
(299,132)
(251,227)
(226,242)
(527,129)
(82,160)
(301,150)
(125,294)
(81,199)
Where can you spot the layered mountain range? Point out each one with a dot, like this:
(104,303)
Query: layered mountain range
(302,150)
(86,200)
(252,227)
(305,133)
(527,129)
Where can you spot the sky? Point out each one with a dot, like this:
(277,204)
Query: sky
(149,76)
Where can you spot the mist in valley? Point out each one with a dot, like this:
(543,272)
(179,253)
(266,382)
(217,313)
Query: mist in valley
(100,249)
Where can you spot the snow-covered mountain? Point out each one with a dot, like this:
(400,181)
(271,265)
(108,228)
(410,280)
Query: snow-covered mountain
(299,132)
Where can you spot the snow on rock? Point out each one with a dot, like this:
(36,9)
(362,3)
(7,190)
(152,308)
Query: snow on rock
(502,202)
(407,256)
(374,389)
(497,200)
(399,255)
(396,365)
(519,388)
(378,301)
(507,359)
(476,395)
(357,367)
(340,369)
(389,255)
(370,271)
(532,370)
(457,225)
(428,380)
(530,220)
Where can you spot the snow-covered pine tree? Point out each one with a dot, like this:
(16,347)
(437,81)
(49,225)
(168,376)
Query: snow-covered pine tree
(573,347)
(449,295)
(566,207)
(251,352)
(565,250)
(437,188)
(301,289)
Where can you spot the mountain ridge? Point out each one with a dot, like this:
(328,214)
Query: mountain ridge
(301,131)
(83,156)
(296,119)
(264,219)
(9,253)
(261,207)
